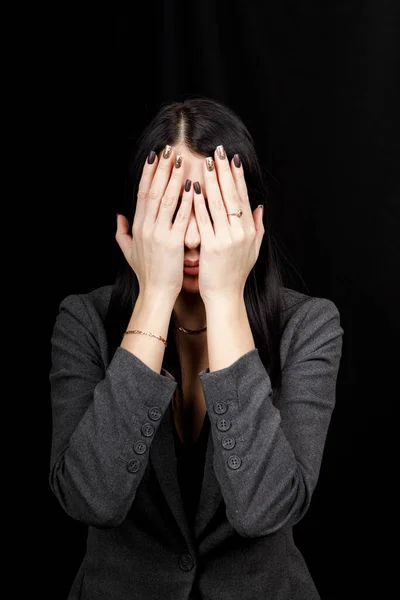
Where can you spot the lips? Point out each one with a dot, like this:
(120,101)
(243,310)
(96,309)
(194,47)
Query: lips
(191,263)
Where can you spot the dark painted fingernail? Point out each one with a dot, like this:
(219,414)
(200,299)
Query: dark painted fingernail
(151,158)
(188,185)
(178,161)
(197,187)
(237,161)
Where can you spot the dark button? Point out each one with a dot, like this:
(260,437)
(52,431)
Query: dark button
(147,429)
(223,424)
(234,461)
(133,466)
(186,562)
(154,413)
(140,447)
(220,408)
(228,442)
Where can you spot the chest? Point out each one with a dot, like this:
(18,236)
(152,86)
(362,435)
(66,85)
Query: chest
(189,408)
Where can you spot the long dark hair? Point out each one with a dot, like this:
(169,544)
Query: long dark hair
(201,124)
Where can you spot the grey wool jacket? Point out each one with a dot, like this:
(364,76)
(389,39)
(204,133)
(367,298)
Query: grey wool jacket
(113,463)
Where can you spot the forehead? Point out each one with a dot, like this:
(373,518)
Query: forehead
(193,164)
(188,155)
(189,158)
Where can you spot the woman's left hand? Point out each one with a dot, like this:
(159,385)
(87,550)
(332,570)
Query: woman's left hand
(229,245)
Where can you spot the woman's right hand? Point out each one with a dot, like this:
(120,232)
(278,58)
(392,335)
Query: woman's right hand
(155,247)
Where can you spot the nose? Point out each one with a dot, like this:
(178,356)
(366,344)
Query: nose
(192,235)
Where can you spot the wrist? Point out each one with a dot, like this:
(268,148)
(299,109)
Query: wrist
(155,299)
(224,302)
(152,312)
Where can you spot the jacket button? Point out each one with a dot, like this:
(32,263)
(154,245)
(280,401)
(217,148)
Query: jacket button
(220,408)
(154,413)
(133,466)
(147,429)
(234,462)
(228,442)
(223,424)
(140,447)
(186,562)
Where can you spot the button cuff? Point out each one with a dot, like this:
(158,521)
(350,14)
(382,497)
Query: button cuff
(234,462)
(133,466)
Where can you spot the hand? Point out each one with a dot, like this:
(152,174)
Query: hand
(230,245)
(155,250)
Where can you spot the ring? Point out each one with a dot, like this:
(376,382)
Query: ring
(236,214)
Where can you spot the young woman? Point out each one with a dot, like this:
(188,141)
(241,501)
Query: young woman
(191,399)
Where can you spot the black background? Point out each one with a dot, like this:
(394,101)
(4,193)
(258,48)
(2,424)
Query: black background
(317,86)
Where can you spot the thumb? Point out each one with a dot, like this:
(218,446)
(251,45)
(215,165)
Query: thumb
(123,236)
(258,219)
(259,225)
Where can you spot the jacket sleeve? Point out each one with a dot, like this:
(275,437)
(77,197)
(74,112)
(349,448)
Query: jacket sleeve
(104,419)
(267,460)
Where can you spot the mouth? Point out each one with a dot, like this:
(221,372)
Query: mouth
(191,270)
(191,263)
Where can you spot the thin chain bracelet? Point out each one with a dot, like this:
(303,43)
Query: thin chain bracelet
(147,333)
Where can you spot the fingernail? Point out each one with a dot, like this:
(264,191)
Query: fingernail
(178,161)
(261,206)
(167,151)
(151,158)
(237,161)
(221,152)
(209,163)
(197,187)
(188,185)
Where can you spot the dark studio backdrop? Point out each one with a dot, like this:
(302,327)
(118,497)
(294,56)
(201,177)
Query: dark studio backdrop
(315,83)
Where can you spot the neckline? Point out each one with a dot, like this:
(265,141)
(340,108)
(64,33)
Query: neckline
(200,438)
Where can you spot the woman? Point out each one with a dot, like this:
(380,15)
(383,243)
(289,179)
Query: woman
(191,403)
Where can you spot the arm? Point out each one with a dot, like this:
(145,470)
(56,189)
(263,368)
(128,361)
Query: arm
(229,335)
(278,451)
(100,412)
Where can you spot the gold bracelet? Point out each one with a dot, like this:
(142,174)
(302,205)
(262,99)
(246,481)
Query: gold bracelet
(147,333)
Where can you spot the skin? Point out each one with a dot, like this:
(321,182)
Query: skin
(230,245)
(229,250)
(189,309)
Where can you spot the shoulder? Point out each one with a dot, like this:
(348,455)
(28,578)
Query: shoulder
(94,302)
(297,305)
(79,330)
(308,321)
(88,309)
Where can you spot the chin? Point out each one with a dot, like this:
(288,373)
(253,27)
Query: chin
(190,284)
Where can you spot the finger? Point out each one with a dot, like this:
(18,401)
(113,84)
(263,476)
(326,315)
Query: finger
(227,184)
(171,194)
(182,217)
(158,184)
(212,191)
(123,236)
(241,187)
(149,168)
(203,217)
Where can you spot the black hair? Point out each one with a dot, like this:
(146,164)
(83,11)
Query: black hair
(201,124)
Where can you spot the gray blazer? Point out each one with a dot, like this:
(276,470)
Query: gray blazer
(139,543)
